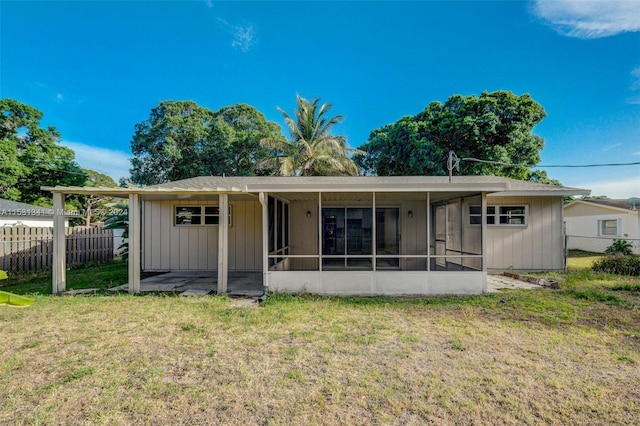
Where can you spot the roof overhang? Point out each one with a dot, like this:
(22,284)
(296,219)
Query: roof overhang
(552,193)
(292,187)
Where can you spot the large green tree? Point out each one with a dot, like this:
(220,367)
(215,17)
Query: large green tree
(31,156)
(96,207)
(494,126)
(182,139)
(312,149)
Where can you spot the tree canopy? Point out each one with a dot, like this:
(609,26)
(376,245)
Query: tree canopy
(96,207)
(31,156)
(495,126)
(312,149)
(181,139)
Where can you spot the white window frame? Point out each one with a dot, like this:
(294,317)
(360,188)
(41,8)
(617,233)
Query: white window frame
(494,214)
(601,227)
(202,215)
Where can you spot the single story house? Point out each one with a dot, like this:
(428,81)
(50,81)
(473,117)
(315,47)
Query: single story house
(412,235)
(14,213)
(592,225)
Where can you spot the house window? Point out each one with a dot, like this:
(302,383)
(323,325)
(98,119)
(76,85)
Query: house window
(198,215)
(499,215)
(608,227)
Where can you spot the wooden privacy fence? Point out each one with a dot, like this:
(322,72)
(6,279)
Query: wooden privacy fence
(30,249)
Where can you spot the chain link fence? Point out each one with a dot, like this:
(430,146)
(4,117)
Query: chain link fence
(597,244)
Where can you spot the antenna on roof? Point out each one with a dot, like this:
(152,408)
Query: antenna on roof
(634,201)
(453,162)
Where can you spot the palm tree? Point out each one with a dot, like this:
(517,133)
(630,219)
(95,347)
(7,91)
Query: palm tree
(312,150)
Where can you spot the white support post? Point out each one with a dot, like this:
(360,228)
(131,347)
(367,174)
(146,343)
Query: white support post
(264,202)
(374,231)
(223,243)
(59,281)
(134,243)
(483,217)
(320,231)
(428,232)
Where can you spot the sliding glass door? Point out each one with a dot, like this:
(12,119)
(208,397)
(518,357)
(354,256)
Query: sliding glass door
(347,238)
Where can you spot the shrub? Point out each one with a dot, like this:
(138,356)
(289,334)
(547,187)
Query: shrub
(618,264)
(620,247)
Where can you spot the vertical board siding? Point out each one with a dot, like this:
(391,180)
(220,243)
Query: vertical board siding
(170,247)
(536,246)
(413,233)
(30,249)
(303,238)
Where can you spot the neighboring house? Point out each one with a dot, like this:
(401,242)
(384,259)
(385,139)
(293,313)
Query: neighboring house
(13,213)
(589,222)
(341,235)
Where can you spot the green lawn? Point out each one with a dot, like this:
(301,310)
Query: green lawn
(99,276)
(580,260)
(568,356)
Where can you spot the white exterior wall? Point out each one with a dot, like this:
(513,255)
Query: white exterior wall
(31,222)
(537,246)
(167,247)
(368,283)
(582,221)
(587,226)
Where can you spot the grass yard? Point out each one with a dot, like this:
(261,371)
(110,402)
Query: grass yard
(580,260)
(568,356)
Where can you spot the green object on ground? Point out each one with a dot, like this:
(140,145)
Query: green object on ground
(11,299)
(3,275)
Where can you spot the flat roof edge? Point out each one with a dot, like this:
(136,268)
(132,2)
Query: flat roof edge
(391,187)
(558,193)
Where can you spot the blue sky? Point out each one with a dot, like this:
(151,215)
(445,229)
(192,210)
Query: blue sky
(95,69)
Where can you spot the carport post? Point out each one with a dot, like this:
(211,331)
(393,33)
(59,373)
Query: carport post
(134,243)
(483,217)
(264,200)
(59,282)
(223,242)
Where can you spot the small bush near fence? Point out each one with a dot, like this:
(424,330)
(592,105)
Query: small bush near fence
(30,249)
(618,264)
(620,247)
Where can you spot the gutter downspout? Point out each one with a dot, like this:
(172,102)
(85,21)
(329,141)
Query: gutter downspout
(262,197)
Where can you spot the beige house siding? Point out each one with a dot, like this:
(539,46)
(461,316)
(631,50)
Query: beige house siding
(303,238)
(536,246)
(169,247)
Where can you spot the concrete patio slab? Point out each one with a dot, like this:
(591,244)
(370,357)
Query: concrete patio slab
(247,284)
(497,282)
(195,292)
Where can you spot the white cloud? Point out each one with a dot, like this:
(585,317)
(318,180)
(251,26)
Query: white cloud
(589,19)
(59,98)
(635,153)
(610,147)
(108,161)
(635,87)
(209,3)
(243,37)
(626,188)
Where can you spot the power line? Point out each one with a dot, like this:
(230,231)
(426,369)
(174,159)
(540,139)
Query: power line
(549,165)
